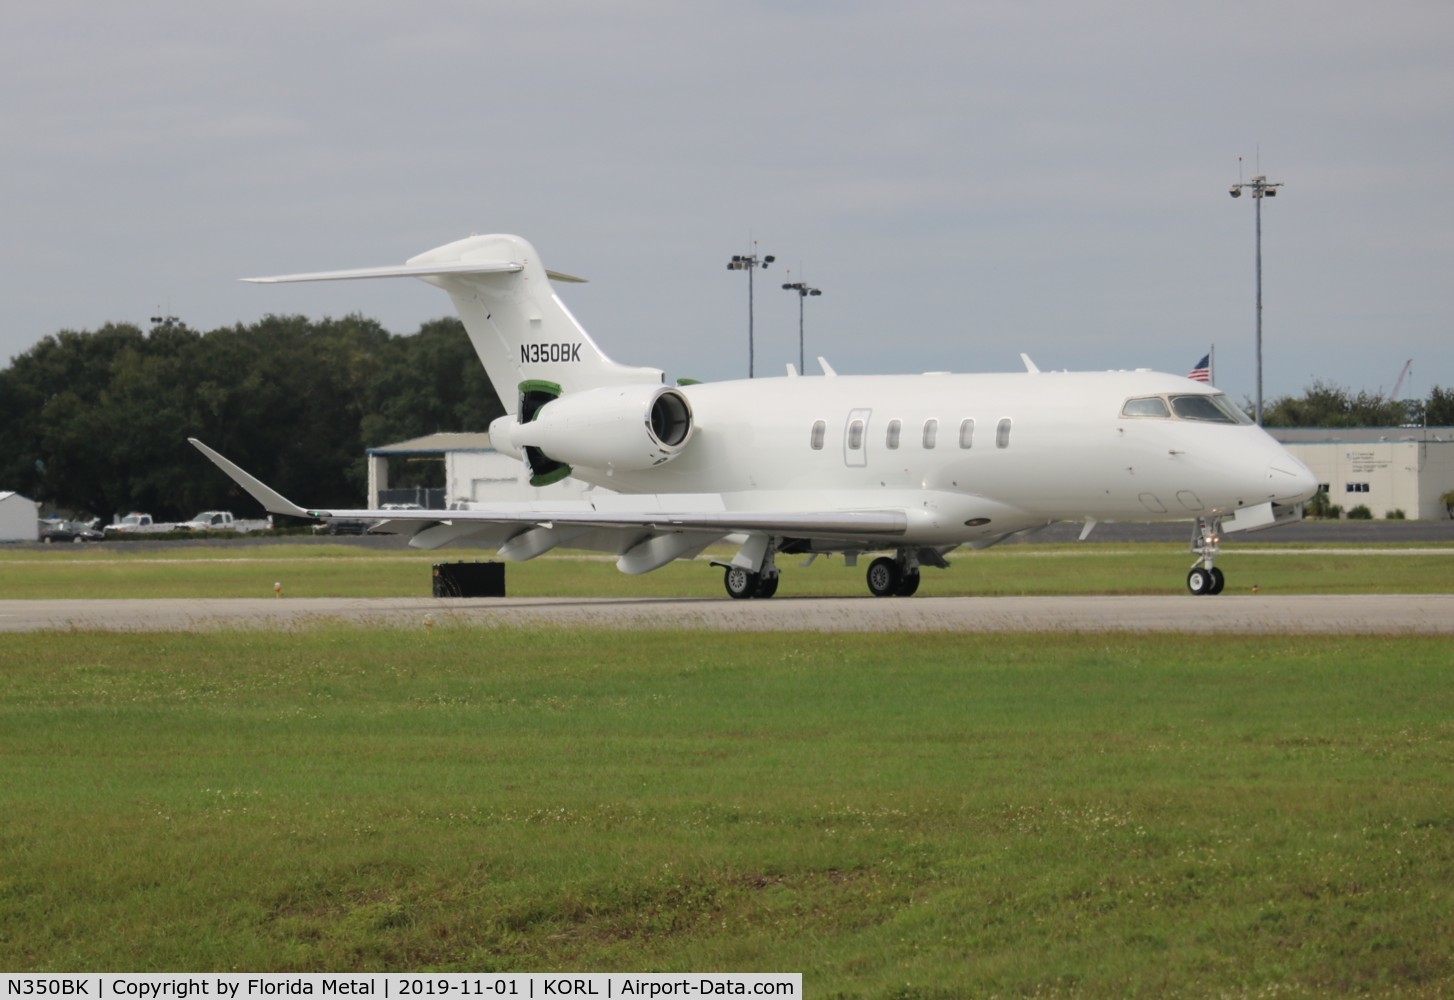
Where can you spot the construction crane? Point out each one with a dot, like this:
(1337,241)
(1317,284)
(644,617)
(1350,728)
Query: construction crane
(1399,383)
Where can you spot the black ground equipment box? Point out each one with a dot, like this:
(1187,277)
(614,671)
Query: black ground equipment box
(469,579)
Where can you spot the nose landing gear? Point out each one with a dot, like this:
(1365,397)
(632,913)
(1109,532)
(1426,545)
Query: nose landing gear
(1204,577)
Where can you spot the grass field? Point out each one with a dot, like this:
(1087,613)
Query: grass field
(349,571)
(894,816)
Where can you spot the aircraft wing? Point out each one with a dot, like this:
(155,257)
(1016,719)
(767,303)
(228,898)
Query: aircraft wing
(655,512)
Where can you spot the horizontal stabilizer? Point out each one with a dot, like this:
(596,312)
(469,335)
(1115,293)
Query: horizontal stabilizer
(412,271)
(397,271)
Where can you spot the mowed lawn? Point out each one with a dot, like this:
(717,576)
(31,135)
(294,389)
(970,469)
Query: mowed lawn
(341,570)
(902,815)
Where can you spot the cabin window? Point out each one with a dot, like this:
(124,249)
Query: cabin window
(966,433)
(819,429)
(855,435)
(1146,406)
(931,432)
(891,436)
(1002,433)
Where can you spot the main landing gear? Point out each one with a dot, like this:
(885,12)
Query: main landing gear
(1204,577)
(742,584)
(888,576)
(893,576)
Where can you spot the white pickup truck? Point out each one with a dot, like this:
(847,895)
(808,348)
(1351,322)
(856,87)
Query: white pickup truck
(222,520)
(137,523)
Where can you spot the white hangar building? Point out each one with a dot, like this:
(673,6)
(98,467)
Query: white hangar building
(473,472)
(1382,468)
(18,518)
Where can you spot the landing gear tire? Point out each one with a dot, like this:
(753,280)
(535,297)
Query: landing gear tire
(909,585)
(1219,580)
(884,577)
(740,583)
(1200,581)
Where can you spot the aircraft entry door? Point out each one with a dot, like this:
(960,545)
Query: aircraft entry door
(855,438)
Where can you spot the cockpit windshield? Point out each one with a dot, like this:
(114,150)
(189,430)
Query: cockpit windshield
(1210,408)
(1146,406)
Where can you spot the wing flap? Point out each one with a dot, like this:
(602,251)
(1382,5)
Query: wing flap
(815,524)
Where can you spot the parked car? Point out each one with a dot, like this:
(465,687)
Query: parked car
(69,531)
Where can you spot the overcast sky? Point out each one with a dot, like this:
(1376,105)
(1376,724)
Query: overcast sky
(963,180)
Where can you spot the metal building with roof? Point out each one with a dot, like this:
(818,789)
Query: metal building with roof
(473,472)
(19,518)
(1385,469)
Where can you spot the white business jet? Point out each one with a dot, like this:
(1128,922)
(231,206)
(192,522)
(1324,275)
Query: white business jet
(915,465)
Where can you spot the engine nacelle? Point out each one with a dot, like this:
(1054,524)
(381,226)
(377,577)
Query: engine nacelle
(629,427)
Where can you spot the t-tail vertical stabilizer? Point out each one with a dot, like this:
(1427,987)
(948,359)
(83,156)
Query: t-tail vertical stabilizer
(523,334)
(520,329)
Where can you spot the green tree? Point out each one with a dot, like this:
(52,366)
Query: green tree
(1326,405)
(1439,409)
(56,438)
(285,398)
(430,382)
(98,422)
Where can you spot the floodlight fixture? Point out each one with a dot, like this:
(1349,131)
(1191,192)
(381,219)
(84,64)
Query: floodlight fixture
(749,263)
(1260,188)
(804,290)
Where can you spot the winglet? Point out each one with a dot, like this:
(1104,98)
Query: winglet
(264,494)
(1029,365)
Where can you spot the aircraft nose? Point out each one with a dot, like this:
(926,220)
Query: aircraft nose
(1291,481)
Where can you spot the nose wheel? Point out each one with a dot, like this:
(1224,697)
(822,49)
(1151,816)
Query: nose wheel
(1205,581)
(1204,577)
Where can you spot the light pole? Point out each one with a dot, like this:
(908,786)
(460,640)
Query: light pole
(1260,189)
(749,263)
(803,291)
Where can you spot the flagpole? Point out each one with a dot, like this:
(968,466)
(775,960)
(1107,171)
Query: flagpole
(1212,365)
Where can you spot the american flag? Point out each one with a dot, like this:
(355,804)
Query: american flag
(1202,372)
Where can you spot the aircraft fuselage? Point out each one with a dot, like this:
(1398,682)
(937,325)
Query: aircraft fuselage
(1006,450)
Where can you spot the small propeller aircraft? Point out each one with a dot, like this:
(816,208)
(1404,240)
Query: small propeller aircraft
(910,465)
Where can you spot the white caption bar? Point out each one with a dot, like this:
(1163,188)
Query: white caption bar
(396,986)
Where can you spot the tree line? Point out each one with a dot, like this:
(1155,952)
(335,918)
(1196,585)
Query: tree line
(1325,405)
(96,422)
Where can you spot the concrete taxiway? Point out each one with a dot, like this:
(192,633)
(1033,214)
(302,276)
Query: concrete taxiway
(1392,614)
